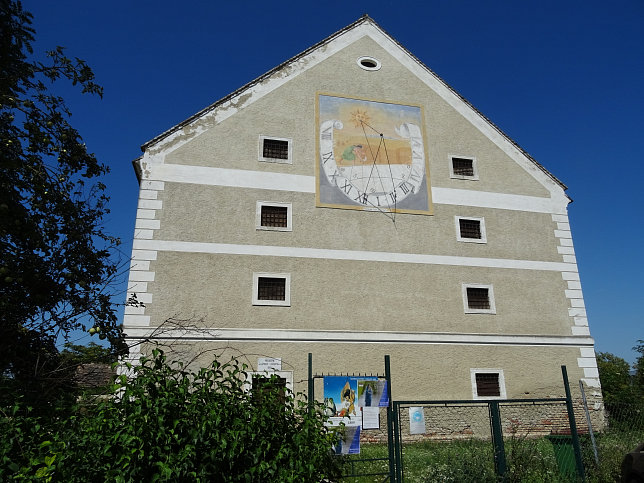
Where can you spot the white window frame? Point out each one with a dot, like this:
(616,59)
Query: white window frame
(288,375)
(502,392)
(287,292)
(289,216)
(490,294)
(481,221)
(260,153)
(474,177)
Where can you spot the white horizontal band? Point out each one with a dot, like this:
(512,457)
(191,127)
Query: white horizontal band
(239,178)
(321,253)
(353,337)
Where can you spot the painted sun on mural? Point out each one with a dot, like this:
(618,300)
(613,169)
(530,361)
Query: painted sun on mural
(371,156)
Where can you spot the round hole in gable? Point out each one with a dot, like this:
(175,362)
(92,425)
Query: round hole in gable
(369,63)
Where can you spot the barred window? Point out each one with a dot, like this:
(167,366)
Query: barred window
(271,215)
(478,298)
(463,167)
(264,387)
(470,228)
(272,289)
(275,149)
(274,216)
(269,288)
(487,384)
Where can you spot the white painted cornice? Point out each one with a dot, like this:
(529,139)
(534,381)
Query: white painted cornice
(353,337)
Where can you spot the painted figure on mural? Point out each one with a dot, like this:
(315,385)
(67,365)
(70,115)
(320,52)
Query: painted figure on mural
(354,152)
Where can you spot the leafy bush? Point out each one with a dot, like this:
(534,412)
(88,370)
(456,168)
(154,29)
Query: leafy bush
(166,423)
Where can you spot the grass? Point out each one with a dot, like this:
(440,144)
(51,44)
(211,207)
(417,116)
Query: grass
(528,460)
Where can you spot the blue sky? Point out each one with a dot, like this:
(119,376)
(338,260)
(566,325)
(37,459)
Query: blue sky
(563,79)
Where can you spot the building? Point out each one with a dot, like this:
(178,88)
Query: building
(350,204)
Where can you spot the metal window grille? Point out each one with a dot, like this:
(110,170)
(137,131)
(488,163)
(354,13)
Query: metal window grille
(270,288)
(263,386)
(463,167)
(478,298)
(275,149)
(470,228)
(274,216)
(487,384)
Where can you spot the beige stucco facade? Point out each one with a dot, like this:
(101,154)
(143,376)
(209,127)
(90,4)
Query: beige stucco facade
(362,283)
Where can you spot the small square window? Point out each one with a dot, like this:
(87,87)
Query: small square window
(283,380)
(273,216)
(263,385)
(275,150)
(478,299)
(470,230)
(272,289)
(488,383)
(463,167)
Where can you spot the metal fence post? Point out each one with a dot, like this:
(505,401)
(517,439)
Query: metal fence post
(590,423)
(311,395)
(497,439)
(398,444)
(573,426)
(390,428)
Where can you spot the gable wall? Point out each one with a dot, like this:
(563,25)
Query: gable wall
(289,112)
(197,245)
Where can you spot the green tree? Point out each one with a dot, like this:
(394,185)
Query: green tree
(615,378)
(55,256)
(639,366)
(74,354)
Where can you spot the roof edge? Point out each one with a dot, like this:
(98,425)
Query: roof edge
(173,129)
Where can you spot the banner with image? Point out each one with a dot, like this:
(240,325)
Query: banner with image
(372,392)
(341,406)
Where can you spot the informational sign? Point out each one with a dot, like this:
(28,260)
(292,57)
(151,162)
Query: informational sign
(416,420)
(370,417)
(269,364)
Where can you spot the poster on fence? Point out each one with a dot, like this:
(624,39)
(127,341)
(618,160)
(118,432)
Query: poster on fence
(370,417)
(372,392)
(349,442)
(341,406)
(416,420)
(340,394)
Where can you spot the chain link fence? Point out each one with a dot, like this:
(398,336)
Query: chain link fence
(454,442)
(622,431)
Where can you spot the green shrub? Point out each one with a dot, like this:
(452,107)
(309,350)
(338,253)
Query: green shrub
(169,424)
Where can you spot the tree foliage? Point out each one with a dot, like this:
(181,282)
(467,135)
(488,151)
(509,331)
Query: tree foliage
(75,354)
(166,423)
(617,384)
(55,256)
(639,365)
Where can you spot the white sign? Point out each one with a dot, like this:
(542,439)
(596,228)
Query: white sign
(416,420)
(269,364)
(371,417)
